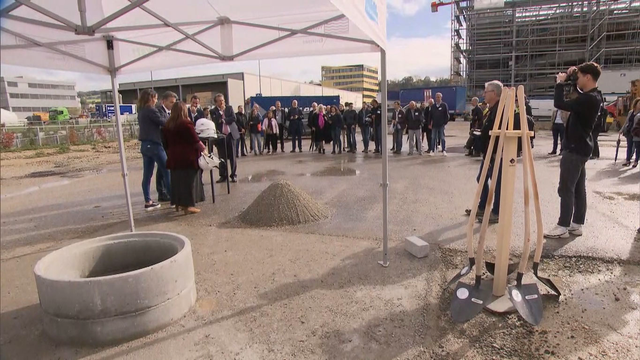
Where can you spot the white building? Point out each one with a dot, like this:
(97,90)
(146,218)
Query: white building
(24,96)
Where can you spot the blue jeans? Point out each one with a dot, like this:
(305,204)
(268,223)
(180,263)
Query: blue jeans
(256,138)
(336,134)
(438,134)
(485,187)
(351,138)
(377,136)
(152,154)
(366,133)
(630,148)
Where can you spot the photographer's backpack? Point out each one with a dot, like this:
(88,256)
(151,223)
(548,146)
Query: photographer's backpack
(601,120)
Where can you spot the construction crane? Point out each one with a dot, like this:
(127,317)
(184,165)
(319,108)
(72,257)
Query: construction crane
(436,4)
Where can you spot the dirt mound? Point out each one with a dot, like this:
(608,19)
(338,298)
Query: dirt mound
(281,204)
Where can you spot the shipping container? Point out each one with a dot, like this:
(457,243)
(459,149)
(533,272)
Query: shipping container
(454,96)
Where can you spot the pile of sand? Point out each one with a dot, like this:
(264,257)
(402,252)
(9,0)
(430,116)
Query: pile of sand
(281,204)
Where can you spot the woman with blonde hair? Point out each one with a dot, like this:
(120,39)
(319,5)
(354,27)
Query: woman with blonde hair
(183,149)
(270,127)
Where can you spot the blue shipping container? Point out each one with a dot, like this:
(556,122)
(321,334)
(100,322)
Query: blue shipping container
(454,96)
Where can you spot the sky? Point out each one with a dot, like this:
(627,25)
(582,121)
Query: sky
(418,45)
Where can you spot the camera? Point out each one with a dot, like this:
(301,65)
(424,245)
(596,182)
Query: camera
(571,85)
(572,78)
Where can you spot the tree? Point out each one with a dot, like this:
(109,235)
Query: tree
(416,82)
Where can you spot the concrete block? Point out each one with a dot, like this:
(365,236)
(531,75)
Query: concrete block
(416,246)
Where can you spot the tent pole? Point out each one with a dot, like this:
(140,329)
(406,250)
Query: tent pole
(116,106)
(385,160)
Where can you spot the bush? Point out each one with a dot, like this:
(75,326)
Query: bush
(73,136)
(8,139)
(63,149)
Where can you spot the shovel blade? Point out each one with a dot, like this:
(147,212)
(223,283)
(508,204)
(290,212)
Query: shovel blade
(527,300)
(546,281)
(549,283)
(468,301)
(491,267)
(462,273)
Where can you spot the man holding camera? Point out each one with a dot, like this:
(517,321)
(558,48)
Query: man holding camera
(577,145)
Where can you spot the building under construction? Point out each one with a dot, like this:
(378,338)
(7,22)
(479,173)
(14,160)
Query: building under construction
(529,41)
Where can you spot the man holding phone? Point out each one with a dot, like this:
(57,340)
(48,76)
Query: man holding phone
(577,145)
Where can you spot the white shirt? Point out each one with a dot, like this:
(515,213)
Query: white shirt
(167,110)
(558,117)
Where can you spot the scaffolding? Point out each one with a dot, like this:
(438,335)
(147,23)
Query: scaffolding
(529,41)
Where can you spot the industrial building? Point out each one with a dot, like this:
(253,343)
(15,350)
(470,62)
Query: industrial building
(529,41)
(236,87)
(356,78)
(25,96)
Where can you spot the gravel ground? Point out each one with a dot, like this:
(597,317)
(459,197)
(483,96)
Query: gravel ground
(315,291)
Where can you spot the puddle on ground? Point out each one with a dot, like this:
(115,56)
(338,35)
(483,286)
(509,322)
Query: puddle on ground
(336,171)
(263,176)
(613,195)
(45,173)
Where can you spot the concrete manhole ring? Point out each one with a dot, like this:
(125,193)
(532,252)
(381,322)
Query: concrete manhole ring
(115,288)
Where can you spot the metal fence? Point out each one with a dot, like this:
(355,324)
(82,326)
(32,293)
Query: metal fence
(69,133)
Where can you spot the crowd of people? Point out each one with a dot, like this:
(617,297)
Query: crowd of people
(171,138)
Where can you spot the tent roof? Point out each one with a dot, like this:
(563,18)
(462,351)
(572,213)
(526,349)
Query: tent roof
(161,34)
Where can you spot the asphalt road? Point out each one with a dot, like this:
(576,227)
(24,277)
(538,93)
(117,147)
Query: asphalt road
(427,197)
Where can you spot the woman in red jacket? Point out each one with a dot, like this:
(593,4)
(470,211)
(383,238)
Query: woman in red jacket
(183,150)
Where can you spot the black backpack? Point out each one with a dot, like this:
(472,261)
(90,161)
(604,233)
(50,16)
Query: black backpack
(601,119)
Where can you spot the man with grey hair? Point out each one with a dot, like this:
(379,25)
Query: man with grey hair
(413,118)
(439,118)
(492,93)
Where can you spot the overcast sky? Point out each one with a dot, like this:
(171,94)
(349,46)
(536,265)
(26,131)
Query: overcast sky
(418,44)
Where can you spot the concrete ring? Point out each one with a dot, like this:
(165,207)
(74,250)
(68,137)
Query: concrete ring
(116,287)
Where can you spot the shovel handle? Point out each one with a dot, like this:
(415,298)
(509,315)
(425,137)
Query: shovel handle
(483,174)
(510,99)
(526,247)
(536,203)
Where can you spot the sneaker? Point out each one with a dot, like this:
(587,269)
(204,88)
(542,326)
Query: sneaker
(479,213)
(409,154)
(444,153)
(153,206)
(493,218)
(432,154)
(293,151)
(234,179)
(164,198)
(552,153)
(575,229)
(626,163)
(558,232)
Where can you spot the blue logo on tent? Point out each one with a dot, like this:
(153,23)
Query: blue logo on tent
(371,8)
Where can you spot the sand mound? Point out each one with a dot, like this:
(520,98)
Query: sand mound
(281,204)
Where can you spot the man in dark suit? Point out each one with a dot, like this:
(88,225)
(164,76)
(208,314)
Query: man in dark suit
(281,117)
(195,112)
(225,119)
(295,125)
(164,108)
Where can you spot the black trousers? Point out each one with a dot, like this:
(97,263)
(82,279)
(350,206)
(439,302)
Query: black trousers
(281,137)
(429,139)
(596,148)
(222,152)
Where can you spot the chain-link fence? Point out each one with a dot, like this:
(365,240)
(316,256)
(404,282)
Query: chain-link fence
(69,133)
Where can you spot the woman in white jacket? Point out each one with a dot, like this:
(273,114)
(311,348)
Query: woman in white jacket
(270,127)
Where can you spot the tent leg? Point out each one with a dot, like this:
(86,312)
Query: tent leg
(123,159)
(385,161)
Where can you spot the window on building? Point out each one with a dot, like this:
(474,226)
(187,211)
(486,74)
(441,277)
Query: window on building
(14,95)
(24,96)
(33,86)
(12,84)
(34,96)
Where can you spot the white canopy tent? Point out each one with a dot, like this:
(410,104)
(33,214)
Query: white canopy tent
(114,37)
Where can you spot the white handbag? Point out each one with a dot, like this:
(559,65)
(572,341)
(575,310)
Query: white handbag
(208,162)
